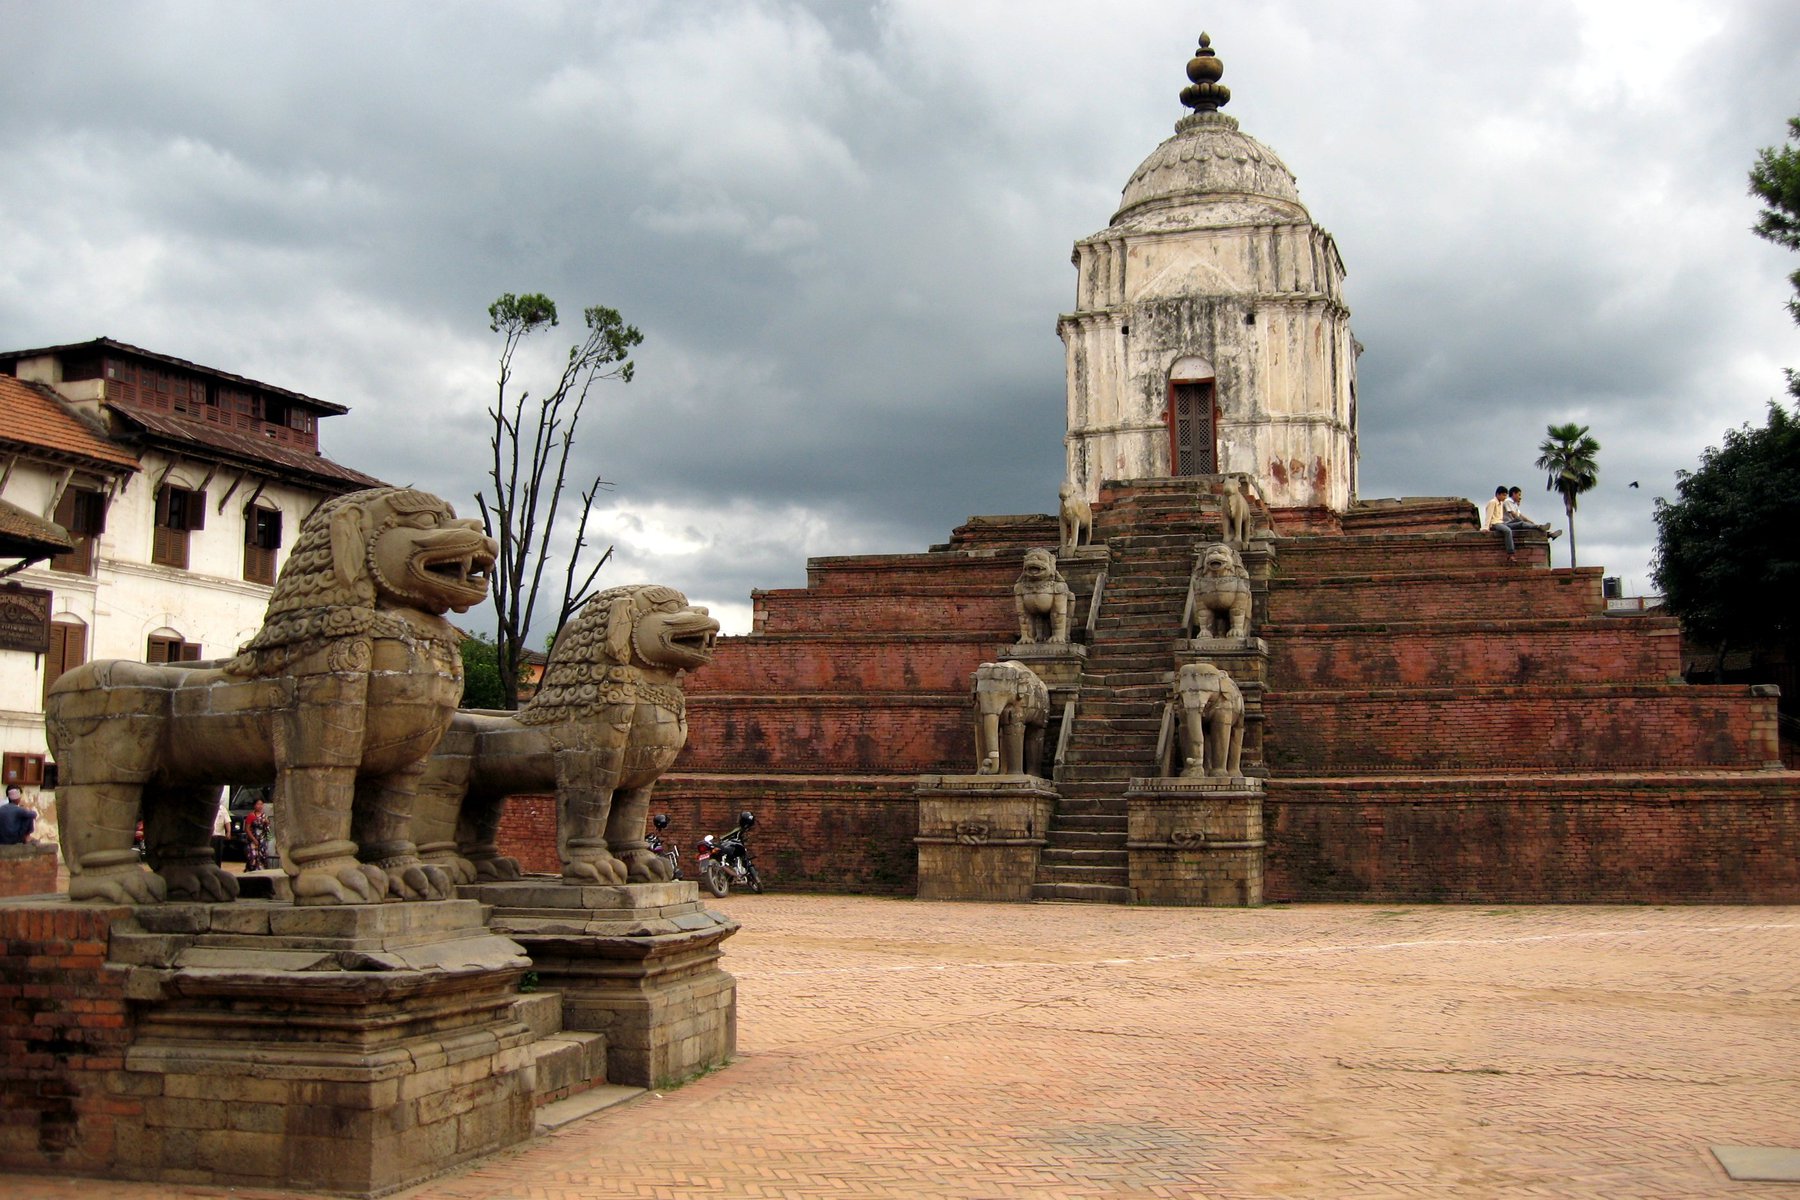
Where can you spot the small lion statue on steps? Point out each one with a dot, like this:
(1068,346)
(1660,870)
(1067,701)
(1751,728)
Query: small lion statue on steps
(1219,594)
(1043,600)
(608,720)
(337,700)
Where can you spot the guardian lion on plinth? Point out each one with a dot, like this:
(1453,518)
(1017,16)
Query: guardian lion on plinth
(609,718)
(1043,599)
(337,699)
(1220,594)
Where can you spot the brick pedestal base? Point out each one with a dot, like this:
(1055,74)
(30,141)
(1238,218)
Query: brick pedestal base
(638,963)
(353,1050)
(1196,841)
(980,836)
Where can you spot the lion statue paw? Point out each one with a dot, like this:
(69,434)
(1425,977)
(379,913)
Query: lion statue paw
(594,870)
(204,882)
(646,866)
(129,884)
(498,869)
(340,881)
(411,879)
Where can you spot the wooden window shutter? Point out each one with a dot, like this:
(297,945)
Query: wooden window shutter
(68,650)
(90,512)
(195,515)
(190,652)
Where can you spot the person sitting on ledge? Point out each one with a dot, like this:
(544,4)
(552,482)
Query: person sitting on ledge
(1516,518)
(16,821)
(1493,517)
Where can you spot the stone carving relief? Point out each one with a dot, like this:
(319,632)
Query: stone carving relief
(1043,600)
(1209,711)
(338,699)
(1220,590)
(1076,518)
(1012,710)
(608,720)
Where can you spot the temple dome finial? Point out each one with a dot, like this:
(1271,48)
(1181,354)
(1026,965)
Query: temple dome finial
(1205,93)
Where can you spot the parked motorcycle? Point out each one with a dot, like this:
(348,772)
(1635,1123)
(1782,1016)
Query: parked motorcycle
(668,850)
(725,860)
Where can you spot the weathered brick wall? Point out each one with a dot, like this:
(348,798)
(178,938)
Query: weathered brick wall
(1496,729)
(846,663)
(27,870)
(915,610)
(1600,649)
(880,733)
(64,1028)
(528,832)
(1302,558)
(1371,599)
(1600,839)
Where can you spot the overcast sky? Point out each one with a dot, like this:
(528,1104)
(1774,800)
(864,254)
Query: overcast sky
(844,229)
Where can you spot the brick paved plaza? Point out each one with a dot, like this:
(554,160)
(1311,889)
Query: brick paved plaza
(911,1049)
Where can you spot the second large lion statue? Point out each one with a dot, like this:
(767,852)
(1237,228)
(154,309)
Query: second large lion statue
(337,700)
(608,720)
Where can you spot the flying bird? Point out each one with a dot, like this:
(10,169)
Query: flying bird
(1633,483)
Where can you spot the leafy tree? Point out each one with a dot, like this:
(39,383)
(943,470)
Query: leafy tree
(1728,550)
(1775,180)
(531,447)
(1567,458)
(481,674)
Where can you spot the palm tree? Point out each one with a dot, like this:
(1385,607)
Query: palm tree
(1567,457)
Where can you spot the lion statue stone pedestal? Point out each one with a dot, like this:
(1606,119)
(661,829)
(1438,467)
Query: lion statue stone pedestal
(609,718)
(337,700)
(1219,599)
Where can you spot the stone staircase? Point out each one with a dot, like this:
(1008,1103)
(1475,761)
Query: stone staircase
(1150,529)
(569,1065)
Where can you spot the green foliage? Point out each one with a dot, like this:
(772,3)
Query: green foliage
(1566,457)
(1728,550)
(481,674)
(1775,180)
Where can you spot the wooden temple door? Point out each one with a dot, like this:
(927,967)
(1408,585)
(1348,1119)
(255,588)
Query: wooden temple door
(1193,429)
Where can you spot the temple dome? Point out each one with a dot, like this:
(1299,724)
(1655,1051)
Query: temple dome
(1208,160)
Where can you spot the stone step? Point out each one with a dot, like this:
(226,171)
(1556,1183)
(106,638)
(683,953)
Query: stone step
(1106,876)
(1088,822)
(552,1117)
(542,1012)
(1113,860)
(1082,893)
(567,1063)
(1072,839)
(1090,774)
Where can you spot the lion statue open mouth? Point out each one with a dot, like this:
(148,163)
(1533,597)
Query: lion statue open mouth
(608,720)
(1220,594)
(337,700)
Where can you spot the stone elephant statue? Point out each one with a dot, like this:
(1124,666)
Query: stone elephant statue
(1209,711)
(1012,710)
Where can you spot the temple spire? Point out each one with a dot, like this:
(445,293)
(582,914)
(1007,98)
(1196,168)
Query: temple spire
(1205,93)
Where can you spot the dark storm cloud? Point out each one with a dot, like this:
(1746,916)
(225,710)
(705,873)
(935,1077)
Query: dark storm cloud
(844,231)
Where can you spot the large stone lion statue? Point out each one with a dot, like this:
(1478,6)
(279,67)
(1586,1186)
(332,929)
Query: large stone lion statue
(337,700)
(1220,594)
(1209,711)
(608,720)
(1012,710)
(1043,600)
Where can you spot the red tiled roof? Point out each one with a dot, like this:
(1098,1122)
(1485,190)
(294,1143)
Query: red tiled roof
(31,415)
(24,533)
(184,364)
(185,434)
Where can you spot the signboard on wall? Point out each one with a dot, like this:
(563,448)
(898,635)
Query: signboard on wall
(24,619)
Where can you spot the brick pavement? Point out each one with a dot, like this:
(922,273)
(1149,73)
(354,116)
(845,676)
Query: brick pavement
(894,1048)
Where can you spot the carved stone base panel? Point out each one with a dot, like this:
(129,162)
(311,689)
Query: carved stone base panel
(1195,841)
(980,836)
(353,1050)
(636,962)
(1058,665)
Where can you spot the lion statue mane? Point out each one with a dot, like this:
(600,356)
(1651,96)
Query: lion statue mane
(337,700)
(609,718)
(1219,594)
